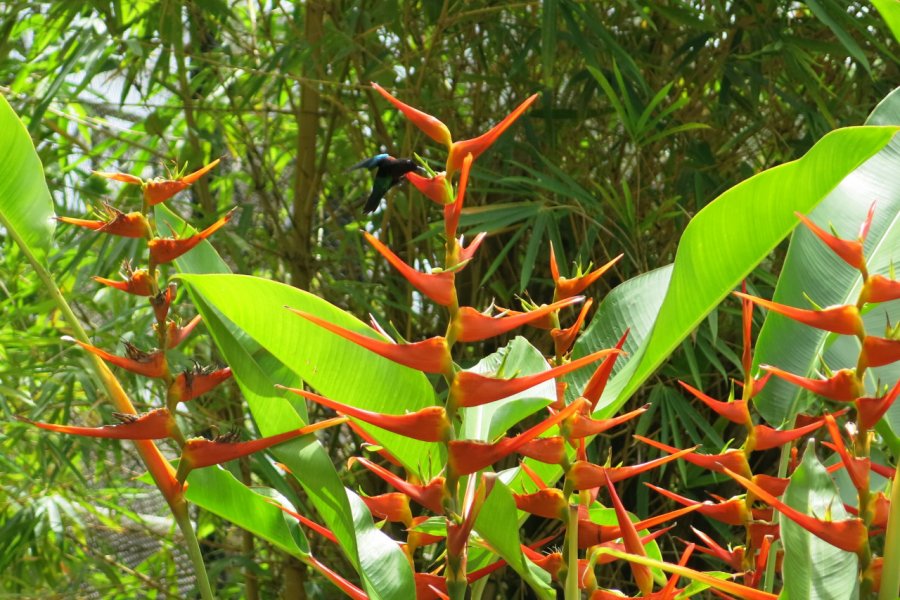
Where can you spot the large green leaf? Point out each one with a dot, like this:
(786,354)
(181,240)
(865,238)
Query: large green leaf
(256,371)
(890,12)
(386,570)
(273,412)
(498,524)
(731,235)
(26,209)
(216,490)
(813,569)
(335,367)
(812,270)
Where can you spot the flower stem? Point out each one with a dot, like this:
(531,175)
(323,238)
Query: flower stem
(192,546)
(572,591)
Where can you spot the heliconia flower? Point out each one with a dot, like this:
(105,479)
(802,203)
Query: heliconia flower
(879,288)
(453,210)
(597,383)
(430,496)
(392,506)
(471,389)
(725,585)
(469,456)
(426,123)
(842,319)
(564,338)
(476,146)
(857,468)
(429,356)
(201,452)
(468,252)
(642,575)
(155,425)
(851,251)
(849,535)
(585,475)
(429,424)
(581,426)
(148,364)
(437,286)
(176,334)
(553,562)
(734,459)
(870,410)
(878,351)
(549,503)
(735,411)
(474,326)
(194,383)
(161,303)
(131,225)
(766,438)
(571,287)
(550,450)
(165,250)
(733,558)
(592,534)
(435,188)
(843,386)
(730,512)
(139,283)
(159,190)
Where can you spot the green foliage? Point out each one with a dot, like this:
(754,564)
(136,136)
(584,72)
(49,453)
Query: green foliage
(648,112)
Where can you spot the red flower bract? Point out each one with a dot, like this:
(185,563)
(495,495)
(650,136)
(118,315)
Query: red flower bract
(476,146)
(428,124)
(165,250)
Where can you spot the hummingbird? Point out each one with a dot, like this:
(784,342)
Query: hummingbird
(390,172)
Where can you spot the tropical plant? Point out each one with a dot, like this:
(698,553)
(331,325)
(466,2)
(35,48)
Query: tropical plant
(448,439)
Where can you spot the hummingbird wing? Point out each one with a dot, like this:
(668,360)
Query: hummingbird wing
(379,188)
(370,163)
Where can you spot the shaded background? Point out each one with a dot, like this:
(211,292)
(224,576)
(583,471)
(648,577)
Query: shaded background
(647,114)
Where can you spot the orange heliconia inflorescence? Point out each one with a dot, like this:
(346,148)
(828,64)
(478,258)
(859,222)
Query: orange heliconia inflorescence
(558,433)
(183,387)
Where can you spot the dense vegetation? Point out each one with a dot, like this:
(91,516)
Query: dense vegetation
(646,114)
